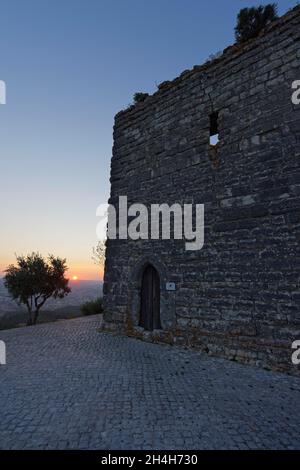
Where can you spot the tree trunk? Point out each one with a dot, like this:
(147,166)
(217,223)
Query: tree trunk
(29,321)
(35,317)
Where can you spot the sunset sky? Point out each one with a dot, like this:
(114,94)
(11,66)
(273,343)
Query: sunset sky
(69,66)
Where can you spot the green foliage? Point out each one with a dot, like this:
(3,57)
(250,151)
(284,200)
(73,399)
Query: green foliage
(34,280)
(140,97)
(93,307)
(250,21)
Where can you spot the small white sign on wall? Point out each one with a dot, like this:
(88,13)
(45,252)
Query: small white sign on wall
(170,286)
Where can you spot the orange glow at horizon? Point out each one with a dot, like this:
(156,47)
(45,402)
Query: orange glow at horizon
(85,272)
(78,270)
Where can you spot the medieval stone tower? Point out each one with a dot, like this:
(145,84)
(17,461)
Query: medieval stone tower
(239,296)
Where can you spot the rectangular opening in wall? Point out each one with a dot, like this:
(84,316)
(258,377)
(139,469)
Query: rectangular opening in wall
(214,128)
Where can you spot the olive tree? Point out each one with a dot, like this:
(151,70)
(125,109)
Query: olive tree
(34,280)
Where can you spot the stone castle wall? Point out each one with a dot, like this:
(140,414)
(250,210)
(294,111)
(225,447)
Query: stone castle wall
(239,296)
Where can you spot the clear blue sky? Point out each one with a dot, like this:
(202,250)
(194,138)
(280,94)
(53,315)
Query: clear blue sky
(69,66)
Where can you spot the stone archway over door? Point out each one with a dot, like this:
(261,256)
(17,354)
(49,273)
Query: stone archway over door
(150,299)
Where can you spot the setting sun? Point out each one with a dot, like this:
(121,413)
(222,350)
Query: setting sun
(75,278)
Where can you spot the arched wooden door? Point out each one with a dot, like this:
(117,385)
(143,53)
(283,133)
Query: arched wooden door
(150,300)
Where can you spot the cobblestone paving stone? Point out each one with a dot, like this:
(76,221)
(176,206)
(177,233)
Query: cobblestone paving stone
(67,386)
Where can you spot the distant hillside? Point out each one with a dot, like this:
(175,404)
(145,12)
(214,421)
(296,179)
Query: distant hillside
(81,292)
(14,319)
